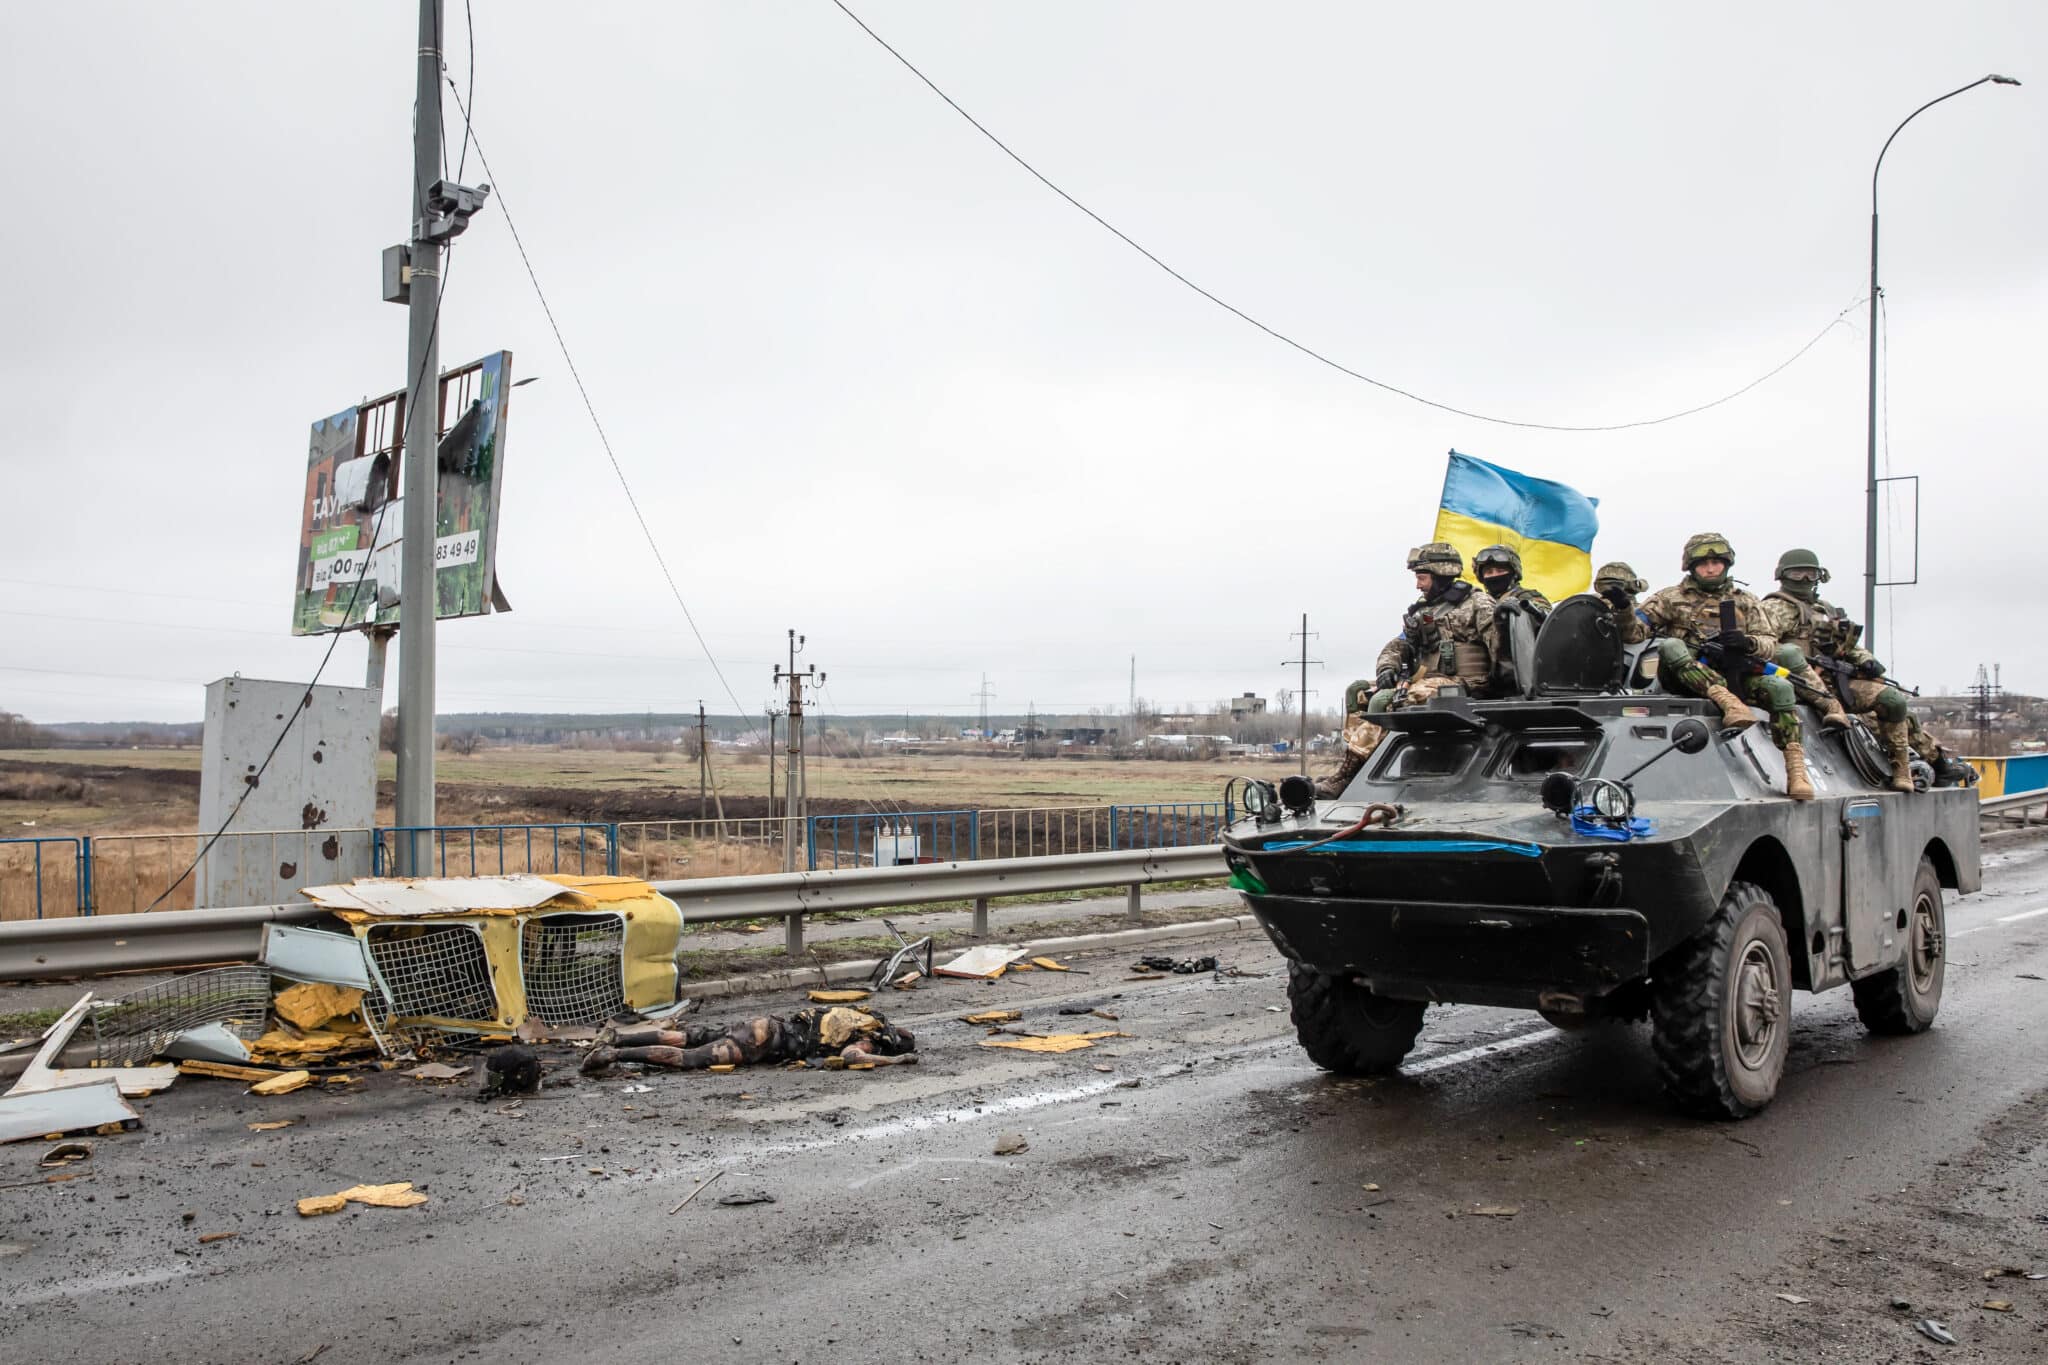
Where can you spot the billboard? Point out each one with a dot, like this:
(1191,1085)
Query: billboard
(353,515)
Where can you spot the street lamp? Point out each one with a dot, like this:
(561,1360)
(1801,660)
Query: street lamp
(1870,480)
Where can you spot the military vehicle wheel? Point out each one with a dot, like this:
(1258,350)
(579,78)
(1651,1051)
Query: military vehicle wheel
(1346,1028)
(1904,999)
(1721,1007)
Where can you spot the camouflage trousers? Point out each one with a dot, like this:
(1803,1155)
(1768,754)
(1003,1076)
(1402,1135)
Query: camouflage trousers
(1681,671)
(1362,737)
(1883,705)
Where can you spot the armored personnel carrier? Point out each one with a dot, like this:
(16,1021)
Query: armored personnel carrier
(1596,848)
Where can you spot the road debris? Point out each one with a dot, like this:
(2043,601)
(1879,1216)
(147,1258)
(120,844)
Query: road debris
(1935,1331)
(272,1126)
(283,1083)
(227,1071)
(1187,966)
(740,1198)
(838,997)
(1496,1211)
(511,1070)
(1053,1042)
(992,1017)
(210,1238)
(438,1071)
(1997,1305)
(636,1090)
(1792,1298)
(986,962)
(1049,964)
(64,1154)
(97,1108)
(400,1195)
(1009,1144)
(43,1074)
(705,1185)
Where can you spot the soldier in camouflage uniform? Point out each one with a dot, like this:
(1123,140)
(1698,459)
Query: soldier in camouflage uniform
(1808,628)
(1499,570)
(1449,637)
(1618,584)
(1687,617)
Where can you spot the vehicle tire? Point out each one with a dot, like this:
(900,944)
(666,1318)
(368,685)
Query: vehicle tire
(1721,1009)
(1905,998)
(1347,1029)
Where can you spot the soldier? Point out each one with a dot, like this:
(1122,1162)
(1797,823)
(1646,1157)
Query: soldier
(1617,582)
(1359,737)
(1811,631)
(1449,637)
(1689,617)
(1499,569)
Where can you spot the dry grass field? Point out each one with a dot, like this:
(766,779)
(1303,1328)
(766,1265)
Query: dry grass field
(111,794)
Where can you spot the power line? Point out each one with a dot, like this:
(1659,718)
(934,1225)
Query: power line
(1282,337)
(504,207)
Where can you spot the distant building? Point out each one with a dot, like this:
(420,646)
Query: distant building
(1247,705)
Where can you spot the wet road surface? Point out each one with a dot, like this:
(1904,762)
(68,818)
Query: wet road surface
(1194,1191)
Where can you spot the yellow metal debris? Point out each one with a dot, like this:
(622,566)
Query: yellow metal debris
(1052,1042)
(837,997)
(310,1004)
(283,1083)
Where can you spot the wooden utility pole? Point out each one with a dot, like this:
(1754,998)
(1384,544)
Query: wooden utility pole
(772,714)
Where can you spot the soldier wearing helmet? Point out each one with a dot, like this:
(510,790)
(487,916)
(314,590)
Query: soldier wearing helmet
(1811,631)
(1448,637)
(1499,570)
(1617,583)
(1705,613)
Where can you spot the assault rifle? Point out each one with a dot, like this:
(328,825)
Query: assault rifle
(1841,673)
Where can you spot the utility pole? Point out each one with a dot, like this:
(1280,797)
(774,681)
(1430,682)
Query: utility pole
(703,760)
(1301,745)
(422,470)
(440,210)
(773,714)
(985,693)
(793,771)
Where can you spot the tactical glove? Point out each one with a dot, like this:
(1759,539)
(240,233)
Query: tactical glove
(1386,677)
(1617,596)
(1735,642)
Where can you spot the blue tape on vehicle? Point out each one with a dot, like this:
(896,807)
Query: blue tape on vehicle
(1416,846)
(1593,826)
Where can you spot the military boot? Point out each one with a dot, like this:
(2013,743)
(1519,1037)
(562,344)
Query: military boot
(1832,716)
(1735,712)
(1798,784)
(1901,756)
(1331,785)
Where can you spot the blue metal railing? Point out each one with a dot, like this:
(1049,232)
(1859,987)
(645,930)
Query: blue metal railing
(921,836)
(494,850)
(1169,824)
(48,871)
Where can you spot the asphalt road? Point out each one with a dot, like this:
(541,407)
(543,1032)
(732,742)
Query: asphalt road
(1193,1191)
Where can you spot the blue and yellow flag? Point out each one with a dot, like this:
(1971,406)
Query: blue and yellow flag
(1549,524)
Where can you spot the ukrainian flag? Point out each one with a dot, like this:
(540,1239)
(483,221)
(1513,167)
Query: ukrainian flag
(1550,524)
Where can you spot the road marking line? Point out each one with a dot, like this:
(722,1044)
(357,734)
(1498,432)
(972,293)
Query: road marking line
(1448,1059)
(2024,914)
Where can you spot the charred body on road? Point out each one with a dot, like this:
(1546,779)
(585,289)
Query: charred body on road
(1591,846)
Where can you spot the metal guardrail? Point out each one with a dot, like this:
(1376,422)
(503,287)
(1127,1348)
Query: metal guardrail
(2018,803)
(33,950)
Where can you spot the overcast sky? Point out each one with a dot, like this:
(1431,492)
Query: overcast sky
(872,381)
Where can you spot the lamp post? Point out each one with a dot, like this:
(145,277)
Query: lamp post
(1870,462)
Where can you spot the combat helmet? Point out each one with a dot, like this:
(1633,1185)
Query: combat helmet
(1800,559)
(1357,695)
(1619,575)
(1498,554)
(1707,545)
(1438,557)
